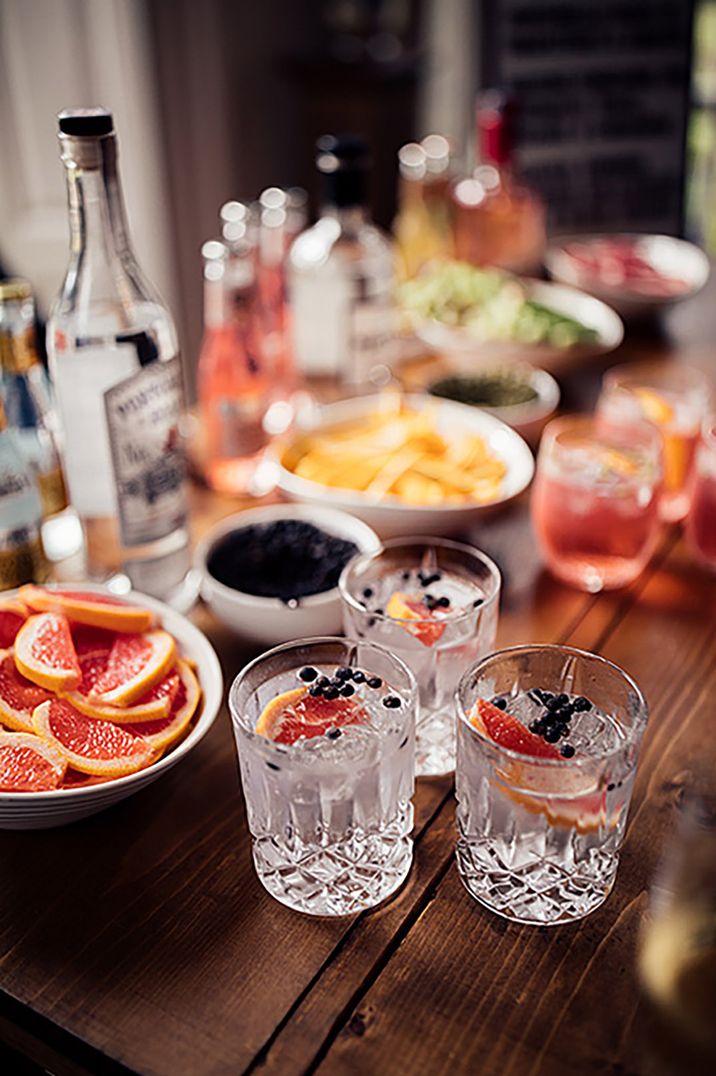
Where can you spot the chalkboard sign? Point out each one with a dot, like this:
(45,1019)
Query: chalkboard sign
(602,88)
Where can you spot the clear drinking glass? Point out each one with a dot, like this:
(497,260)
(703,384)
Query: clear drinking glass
(330,816)
(701,520)
(673,398)
(396,597)
(540,821)
(595,501)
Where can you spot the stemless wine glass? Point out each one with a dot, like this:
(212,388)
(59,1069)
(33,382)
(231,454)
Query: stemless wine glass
(595,501)
(673,398)
(434,603)
(330,813)
(701,520)
(540,826)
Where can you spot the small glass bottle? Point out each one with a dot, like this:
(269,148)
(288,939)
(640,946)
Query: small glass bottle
(274,239)
(422,225)
(231,384)
(22,559)
(497,219)
(118,382)
(342,275)
(26,394)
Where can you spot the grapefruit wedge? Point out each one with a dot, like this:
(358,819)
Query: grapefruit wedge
(88,745)
(13,615)
(564,795)
(134,665)
(88,607)
(416,618)
(296,713)
(45,653)
(28,764)
(164,733)
(154,705)
(90,640)
(18,696)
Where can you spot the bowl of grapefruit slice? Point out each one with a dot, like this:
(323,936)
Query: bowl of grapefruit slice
(99,696)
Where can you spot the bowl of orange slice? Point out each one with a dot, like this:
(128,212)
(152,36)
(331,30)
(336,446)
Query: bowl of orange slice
(99,696)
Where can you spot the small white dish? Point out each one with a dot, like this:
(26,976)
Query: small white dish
(667,254)
(270,621)
(389,517)
(528,418)
(591,312)
(41,810)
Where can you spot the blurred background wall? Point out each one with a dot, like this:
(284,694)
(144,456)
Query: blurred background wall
(218,99)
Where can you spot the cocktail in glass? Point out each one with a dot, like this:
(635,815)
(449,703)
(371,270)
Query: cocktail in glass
(701,520)
(547,749)
(674,399)
(325,733)
(434,603)
(595,501)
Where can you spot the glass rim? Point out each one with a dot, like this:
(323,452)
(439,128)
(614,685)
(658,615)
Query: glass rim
(556,426)
(444,543)
(691,377)
(631,735)
(294,644)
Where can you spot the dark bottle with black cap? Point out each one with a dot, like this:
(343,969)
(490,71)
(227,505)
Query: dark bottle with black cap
(118,380)
(342,276)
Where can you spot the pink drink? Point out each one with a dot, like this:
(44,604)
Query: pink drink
(594,503)
(701,522)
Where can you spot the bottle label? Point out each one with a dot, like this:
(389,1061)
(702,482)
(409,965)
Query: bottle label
(373,340)
(21,556)
(143,414)
(22,559)
(53,492)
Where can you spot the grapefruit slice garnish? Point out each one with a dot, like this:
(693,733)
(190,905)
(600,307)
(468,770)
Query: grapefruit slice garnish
(415,617)
(88,607)
(13,615)
(559,794)
(18,696)
(296,713)
(88,745)
(154,705)
(29,764)
(134,665)
(45,654)
(655,407)
(164,733)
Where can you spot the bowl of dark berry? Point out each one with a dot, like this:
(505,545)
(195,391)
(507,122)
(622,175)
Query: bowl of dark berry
(271,574)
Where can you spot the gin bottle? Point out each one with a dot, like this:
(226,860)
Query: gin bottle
(118,381)
(22,559)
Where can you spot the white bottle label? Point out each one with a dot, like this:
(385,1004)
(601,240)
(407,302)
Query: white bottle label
(373,339)
(21,557)
(81,379)
(143,415)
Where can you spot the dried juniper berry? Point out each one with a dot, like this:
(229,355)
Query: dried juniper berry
(566,750)
(391,702)
(347,690)
(500,702)
(344,673)
(375,682)
(333,733)
(581,704)
(330,692)
(359,676)
(551,734)
(308,674)
(316,691)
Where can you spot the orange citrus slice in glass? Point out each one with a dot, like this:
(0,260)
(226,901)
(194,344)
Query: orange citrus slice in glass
(296,713)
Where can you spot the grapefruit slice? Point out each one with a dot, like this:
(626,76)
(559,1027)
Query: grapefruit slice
(295,714)
(18,696)
(165,733)
(415,617)
(45,653)
(154,705)
(134,665)
(559,794)
(88,745)
(28,764)
(88,607)
(13,615)
(75,779)
(89,640)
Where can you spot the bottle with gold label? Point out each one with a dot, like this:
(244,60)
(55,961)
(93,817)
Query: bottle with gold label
(26,394)
(22,559)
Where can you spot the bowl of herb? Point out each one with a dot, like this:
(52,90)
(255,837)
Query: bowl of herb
(520,395)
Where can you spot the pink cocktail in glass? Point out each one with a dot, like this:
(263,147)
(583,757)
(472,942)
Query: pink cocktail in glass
(595,502)
(701,521)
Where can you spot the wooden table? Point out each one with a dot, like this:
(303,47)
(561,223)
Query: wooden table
(140,940)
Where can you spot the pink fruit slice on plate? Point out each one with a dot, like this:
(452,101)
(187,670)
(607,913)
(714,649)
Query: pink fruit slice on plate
(96,747)
(13,615)
(45,653)
(29,764)
(134,665)
(164,733)
(18,696)
(89,607)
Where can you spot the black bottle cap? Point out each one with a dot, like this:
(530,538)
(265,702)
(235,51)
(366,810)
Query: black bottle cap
(88,122)
(343,161)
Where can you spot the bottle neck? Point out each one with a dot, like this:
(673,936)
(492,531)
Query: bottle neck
(494,139)
(349,218)
(98,222)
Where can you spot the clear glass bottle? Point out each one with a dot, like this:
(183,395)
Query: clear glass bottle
(422,226)
(22,559)
(232,387)
(26,394)
(118,382)
(342,275)
(497,218)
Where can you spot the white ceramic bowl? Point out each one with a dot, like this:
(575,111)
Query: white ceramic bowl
(668,255)
(269,621)
(596,315)
(41,810)
(389,517)
(529,418)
